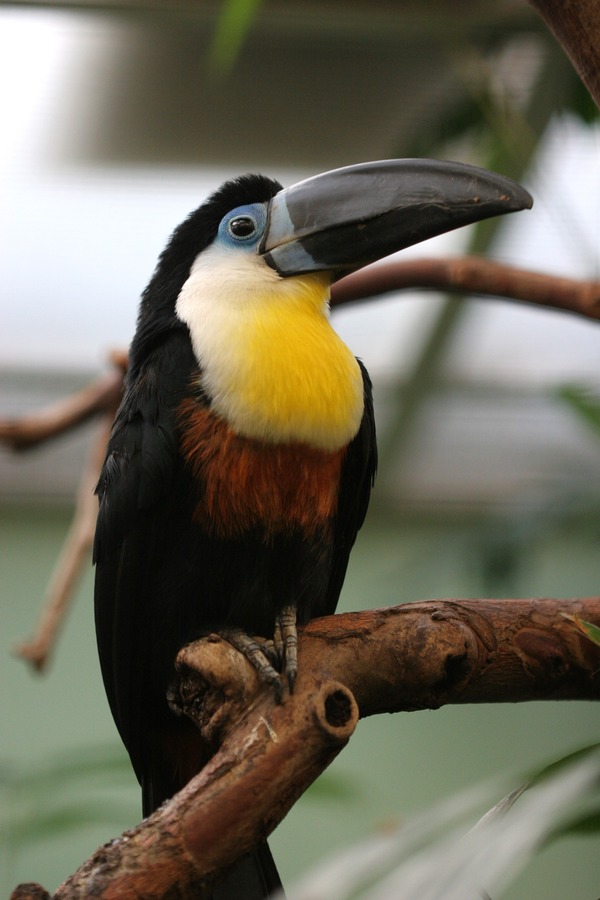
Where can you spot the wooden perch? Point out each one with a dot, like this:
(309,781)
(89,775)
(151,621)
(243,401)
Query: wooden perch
(414,656)
(270,754)
(427,654)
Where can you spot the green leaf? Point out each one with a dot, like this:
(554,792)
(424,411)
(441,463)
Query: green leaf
(580,101)
(37,804)
(571,759)
(40,826)
(584,403)
(585,825)
(590,630)
(86,763)
(233,26)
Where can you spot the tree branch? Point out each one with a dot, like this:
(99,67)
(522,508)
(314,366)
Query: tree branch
(472,275)
(270,754)
(102,397)
(99,397)
(468,274)
(73,556)
(427,654)
(576,25)
(414,656)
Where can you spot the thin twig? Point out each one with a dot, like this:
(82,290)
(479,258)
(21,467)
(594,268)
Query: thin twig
(73,556)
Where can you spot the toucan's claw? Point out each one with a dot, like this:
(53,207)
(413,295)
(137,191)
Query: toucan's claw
(260,655)
(285,640)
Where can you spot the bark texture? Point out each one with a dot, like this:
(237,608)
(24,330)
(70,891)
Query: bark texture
(576,25)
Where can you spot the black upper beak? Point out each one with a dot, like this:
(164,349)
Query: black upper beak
(344,219)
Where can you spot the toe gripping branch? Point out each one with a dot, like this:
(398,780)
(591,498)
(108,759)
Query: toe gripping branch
(273,658)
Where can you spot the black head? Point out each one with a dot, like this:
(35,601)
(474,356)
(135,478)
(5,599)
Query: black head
(157,309)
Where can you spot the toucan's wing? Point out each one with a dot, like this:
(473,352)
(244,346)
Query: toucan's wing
(137,479)
(358,474)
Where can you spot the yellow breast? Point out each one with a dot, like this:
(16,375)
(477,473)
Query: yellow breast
(271,362)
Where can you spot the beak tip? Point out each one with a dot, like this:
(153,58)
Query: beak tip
(521,199)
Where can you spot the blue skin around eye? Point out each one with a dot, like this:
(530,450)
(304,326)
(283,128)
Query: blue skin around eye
(255,211)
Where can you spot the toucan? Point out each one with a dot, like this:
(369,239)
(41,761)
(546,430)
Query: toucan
(242,457)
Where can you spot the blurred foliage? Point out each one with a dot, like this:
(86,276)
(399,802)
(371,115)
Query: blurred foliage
(584,403)
(437,856)
(434,854)
(60,796)
(235,20)
(490,111)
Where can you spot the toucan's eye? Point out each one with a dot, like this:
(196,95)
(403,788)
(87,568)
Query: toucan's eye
(242,227)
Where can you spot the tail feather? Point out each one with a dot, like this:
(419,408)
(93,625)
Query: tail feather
(252,877)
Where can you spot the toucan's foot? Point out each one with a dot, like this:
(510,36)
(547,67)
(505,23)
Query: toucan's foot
(260,654)
(273,658)
(285,641)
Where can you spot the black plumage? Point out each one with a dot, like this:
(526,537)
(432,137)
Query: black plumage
(163,577)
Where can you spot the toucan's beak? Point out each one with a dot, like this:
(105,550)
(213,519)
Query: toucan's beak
(344,219)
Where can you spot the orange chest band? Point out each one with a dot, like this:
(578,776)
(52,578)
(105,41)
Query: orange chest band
(246,484)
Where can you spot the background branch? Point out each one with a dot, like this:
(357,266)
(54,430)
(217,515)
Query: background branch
(472,275)
(74,555)
(576,25)
(468,274)
(101,396)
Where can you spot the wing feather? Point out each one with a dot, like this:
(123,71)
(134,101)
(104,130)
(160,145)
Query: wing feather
(137,480)
(358,476)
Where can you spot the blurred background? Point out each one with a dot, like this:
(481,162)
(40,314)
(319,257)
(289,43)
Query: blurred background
(118,119)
